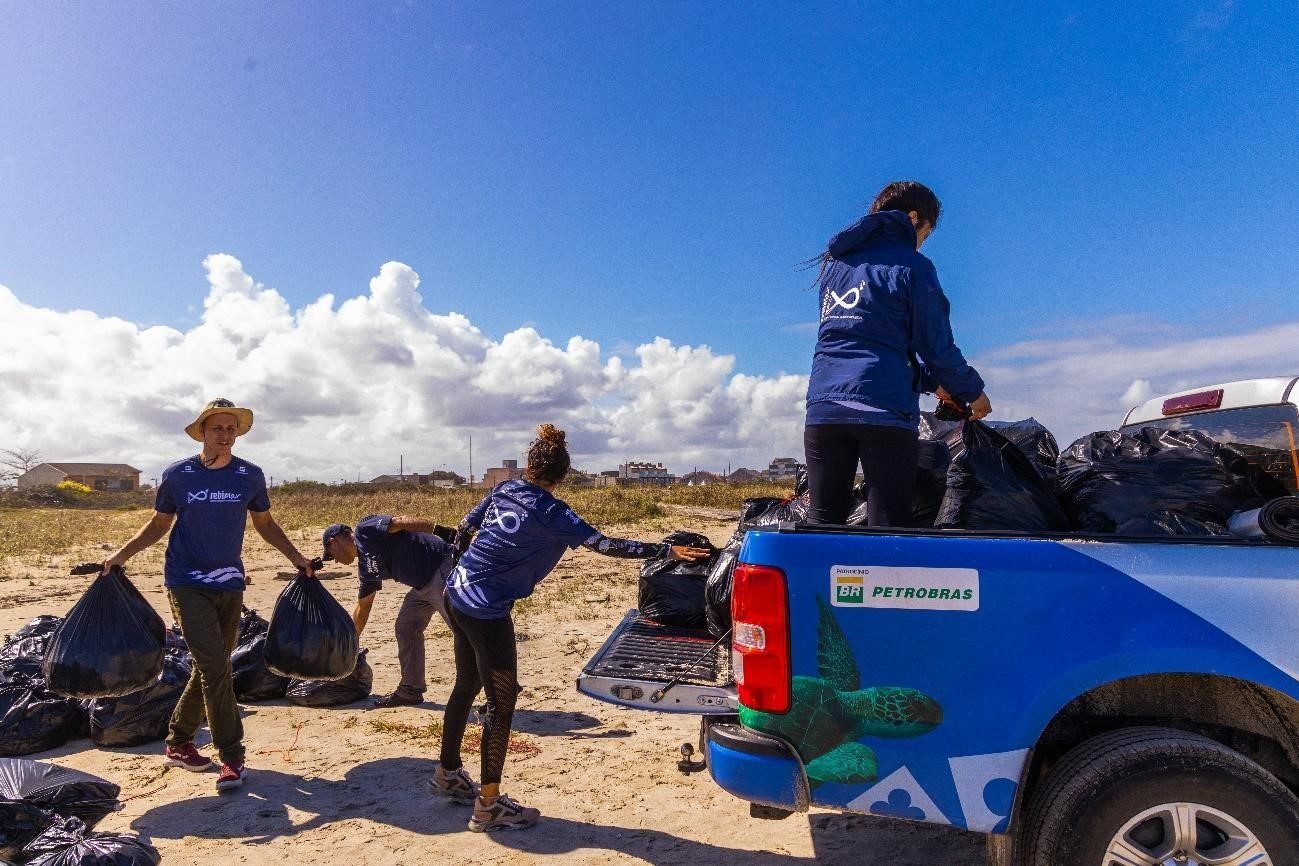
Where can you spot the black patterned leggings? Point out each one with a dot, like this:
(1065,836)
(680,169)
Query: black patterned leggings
(485,660)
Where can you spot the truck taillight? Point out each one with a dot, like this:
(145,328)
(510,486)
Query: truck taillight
(1196,402)
(760,612)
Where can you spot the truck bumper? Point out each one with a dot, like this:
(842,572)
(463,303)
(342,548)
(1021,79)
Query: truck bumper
(757,767)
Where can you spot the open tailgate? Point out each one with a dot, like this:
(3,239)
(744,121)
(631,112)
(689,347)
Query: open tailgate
(658,667)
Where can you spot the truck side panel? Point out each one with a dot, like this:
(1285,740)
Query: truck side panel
(965,647)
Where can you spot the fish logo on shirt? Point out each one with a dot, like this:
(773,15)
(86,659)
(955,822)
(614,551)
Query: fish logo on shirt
(508,521)
(847,301)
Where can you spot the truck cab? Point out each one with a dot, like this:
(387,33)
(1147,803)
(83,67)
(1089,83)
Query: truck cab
(1258,417)
(1080,699)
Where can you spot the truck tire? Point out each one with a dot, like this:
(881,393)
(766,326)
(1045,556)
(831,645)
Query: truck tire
(1158,795)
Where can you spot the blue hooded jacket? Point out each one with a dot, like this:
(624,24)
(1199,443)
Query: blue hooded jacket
(885,336)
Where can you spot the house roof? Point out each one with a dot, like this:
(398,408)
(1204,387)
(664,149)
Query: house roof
(94,468)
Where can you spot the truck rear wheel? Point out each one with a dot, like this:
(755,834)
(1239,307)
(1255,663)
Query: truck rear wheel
(1154,796)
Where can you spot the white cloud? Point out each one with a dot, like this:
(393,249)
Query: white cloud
(1076,386)
(341,390)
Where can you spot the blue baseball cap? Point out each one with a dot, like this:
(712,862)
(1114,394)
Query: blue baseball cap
(331,532)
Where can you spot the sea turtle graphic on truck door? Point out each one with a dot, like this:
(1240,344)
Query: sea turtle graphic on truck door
(829,714)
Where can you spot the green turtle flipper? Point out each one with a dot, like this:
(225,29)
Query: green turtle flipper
(891,711)
(850,763)
(834,659)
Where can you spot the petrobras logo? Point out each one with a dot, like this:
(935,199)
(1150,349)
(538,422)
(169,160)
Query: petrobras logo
(904,588)
(214,496)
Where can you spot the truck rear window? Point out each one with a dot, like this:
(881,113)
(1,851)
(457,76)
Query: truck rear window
(1265,435)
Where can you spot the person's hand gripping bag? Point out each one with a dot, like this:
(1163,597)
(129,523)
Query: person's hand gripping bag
(109,645)
(311,637)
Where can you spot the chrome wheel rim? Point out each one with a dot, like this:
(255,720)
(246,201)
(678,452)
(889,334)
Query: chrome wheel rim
(1185,834)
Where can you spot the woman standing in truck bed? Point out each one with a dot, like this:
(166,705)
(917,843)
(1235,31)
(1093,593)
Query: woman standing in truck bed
(884,339)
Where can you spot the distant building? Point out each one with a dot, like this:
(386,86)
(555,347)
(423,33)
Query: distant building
(508,471)
(644,473)
(438,478)
(97,476)
(784,469)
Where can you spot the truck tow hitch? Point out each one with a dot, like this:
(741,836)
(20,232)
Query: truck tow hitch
(688,764)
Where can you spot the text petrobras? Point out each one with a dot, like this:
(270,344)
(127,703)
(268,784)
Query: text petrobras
(907,588)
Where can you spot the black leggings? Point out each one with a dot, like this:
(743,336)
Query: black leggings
(485,660)
(888,457)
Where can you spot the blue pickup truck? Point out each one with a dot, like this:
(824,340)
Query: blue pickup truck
(1085,701)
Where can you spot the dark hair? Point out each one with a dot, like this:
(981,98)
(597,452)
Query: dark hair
(908,196)
(903,195)
(548,459)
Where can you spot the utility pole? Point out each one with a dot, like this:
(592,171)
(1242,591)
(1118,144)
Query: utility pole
(401,466)
(471,460)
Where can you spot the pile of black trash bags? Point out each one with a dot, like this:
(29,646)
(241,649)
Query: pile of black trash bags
(112,671)
(48,813)
(1008,476)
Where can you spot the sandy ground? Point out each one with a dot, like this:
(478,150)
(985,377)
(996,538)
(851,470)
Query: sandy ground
(350,785)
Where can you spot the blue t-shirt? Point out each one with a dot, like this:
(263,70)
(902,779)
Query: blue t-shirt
(522,533)
(211,507)
(410,558)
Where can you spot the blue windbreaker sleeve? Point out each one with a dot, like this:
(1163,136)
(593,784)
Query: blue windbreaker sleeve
(474,518)
(623,548)
(932,336)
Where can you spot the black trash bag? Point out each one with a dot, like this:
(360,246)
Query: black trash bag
(20,823)
(1160,482)
(59,790)
(310,636)
(22,654)
(801,483)
(110,644)
(174,640)
(250,625)
(334,693)
(1035,442)
(42,626)
(672,591)
(143,716)
(771,510)
(33,719)
(993,485)
(70,843)
(717,589)
(254,681)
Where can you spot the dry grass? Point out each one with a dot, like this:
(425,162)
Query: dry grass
(298,506)
(28,531)
(431,735)
(304,507)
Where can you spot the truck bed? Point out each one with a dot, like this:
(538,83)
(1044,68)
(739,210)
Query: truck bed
(642,658)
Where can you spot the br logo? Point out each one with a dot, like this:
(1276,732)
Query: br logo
(849,593)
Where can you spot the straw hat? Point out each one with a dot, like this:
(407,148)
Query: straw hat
(217,407)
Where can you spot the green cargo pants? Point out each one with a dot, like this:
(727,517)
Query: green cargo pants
(209,622)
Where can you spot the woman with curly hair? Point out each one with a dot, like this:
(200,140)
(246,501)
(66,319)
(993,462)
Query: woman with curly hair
(522,530)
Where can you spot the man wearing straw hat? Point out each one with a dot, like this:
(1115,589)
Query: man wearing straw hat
(209,497)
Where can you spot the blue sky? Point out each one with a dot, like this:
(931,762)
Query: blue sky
(630,171)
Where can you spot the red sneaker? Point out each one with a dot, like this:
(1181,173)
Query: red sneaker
(188,757)
(232,776)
